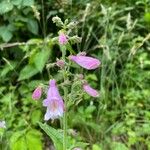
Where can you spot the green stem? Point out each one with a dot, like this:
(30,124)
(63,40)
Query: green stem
(63,49)
(65,121)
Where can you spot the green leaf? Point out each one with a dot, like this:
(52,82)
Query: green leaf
(96,147)
(40,59)
(118,146)
(35,116)
(33,140)
(54,134)
(33,26)
(17,141)
(23,140)
(5,7)
(27,72)
(27,2)
(5,33)
(16,2)
(20,144)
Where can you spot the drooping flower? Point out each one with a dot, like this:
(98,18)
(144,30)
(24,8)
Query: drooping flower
(2,124)
(85,61)
(53,102)
(36,95)
(89,90)
(62,39)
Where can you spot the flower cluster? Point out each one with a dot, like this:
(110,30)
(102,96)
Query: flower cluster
(54,102)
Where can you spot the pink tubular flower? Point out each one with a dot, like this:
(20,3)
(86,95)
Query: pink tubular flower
(62,39)
(54,102)
(85,61)
(89,90)
(36,95)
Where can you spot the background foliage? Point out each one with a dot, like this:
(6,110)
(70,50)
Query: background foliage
(115,31)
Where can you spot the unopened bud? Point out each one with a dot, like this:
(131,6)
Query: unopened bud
(72,25)
(62,39)
(75,39)
(37,93)
(60,63)
(58,21)
(81,54)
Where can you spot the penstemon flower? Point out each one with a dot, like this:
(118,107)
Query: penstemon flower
(62,39)
(53,102)
(85,61)
(89,90)
(36,95)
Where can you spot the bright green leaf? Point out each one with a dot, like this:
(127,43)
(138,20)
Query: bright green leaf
(118,146)
(41,58)
(35,116)
(27,72)
(33,140)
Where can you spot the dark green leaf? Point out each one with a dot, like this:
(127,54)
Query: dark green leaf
(54,134)
(32,26)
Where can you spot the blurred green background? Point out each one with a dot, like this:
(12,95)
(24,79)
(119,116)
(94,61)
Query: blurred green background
(115,31)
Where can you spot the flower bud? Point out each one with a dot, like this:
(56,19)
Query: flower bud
(89,90)
(72,25)
(75,39)
(37,93)
(62,39)
(60,63)
(58,21)
(81,54)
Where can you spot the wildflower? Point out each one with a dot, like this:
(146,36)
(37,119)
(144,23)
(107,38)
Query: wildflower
(62,39)
(85,61)
(89,90)
(60,63)
(54,102)
(2,124)
(37,93)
